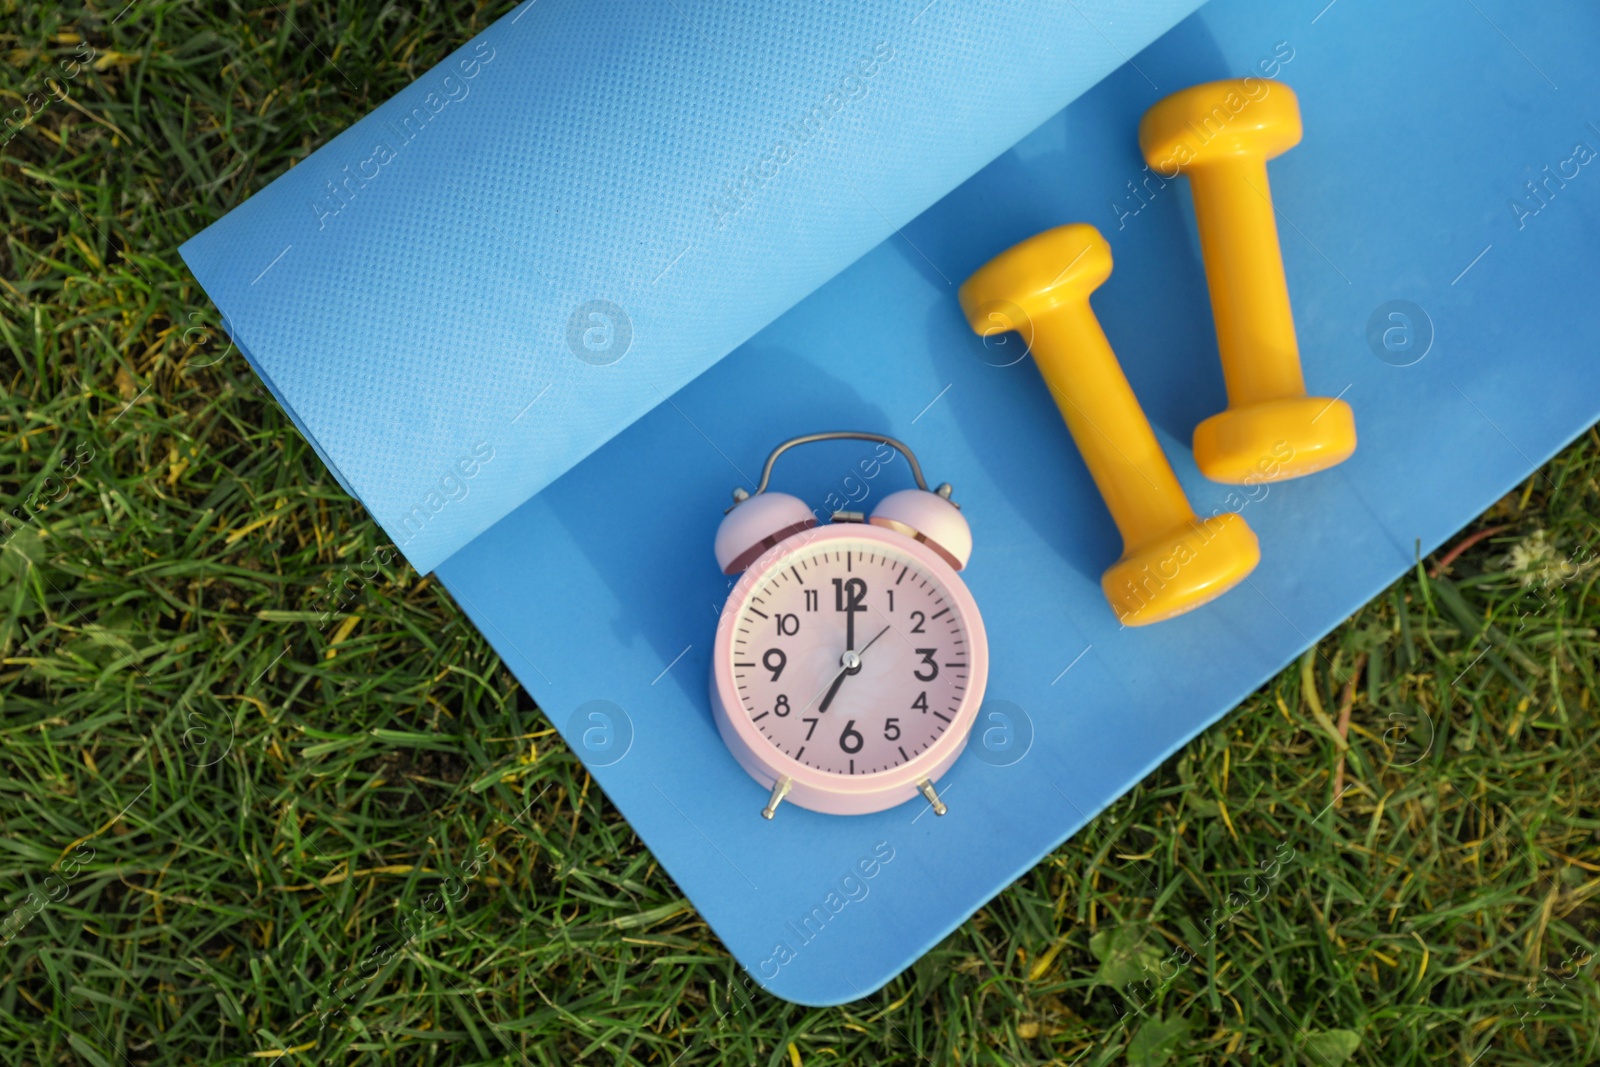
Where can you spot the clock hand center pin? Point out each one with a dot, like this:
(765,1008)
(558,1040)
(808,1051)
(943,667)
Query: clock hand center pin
(849,663)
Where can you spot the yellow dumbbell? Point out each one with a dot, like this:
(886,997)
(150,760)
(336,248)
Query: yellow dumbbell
(1221,135)
(1172,560)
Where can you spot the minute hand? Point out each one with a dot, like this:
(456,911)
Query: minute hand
(874,641)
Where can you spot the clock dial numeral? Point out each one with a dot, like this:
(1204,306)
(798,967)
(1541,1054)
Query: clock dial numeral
(927,655)
(811,600)
(788,625)
(849,595)
(917,619)
(851,740)
(891,600)
(891,729)
(921,703)
(775,660)
(811,727)
(780,707)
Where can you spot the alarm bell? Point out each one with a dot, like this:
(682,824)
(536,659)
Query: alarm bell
(930,518)
(757,523)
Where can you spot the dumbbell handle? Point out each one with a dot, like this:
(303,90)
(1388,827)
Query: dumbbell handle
(1110,428)
(1244,271)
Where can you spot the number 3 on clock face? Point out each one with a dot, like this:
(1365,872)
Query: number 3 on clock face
(850,659)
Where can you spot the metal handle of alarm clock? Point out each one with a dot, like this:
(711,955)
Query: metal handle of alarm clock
(847,435)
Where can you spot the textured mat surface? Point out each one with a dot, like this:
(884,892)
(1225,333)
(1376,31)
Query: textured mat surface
(539,240)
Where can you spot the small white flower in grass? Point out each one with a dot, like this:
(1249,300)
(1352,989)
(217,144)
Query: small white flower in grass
(1535,561)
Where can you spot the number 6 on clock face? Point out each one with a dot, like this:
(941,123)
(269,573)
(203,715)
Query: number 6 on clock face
(850,659)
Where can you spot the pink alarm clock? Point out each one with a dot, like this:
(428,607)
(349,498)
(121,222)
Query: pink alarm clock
(850,659)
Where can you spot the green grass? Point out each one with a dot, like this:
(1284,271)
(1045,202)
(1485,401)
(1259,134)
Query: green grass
(243,813)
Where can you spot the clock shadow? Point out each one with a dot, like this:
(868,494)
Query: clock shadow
(670,475)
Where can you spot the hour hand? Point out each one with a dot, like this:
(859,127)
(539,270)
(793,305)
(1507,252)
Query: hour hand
(849,663)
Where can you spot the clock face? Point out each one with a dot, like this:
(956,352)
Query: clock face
(850,656)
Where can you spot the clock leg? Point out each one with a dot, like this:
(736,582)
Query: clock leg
(779,790)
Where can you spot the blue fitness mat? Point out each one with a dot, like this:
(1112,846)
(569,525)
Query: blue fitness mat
(1439,223)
